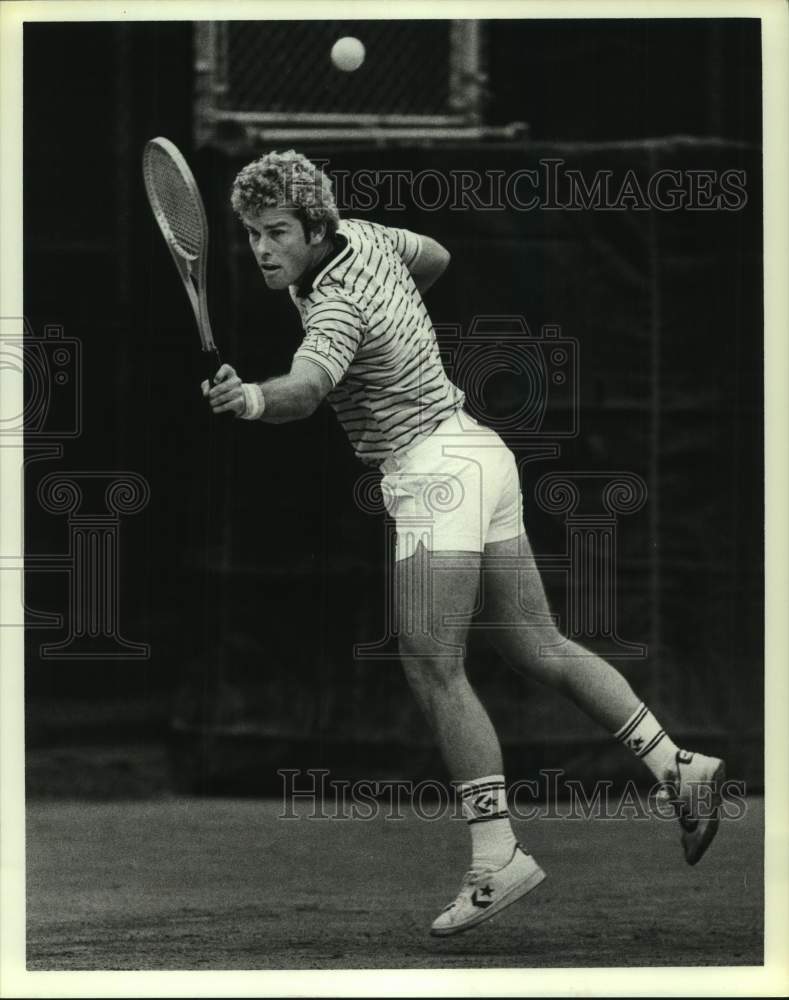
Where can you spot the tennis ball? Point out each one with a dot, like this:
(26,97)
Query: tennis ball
(347,54)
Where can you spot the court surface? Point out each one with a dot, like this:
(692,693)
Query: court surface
(224,884)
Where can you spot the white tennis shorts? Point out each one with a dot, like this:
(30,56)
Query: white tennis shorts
(457,490)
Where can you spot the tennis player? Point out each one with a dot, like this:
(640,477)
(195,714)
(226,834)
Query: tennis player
(452,486)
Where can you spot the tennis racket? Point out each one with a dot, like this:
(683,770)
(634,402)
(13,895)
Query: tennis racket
(178,209)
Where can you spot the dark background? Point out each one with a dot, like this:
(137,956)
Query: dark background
(251,573)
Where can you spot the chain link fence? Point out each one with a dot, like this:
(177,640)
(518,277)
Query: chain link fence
(263,81)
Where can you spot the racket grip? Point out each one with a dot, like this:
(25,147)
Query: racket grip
(211,364)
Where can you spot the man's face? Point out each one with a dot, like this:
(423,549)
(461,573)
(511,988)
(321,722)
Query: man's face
(276,238)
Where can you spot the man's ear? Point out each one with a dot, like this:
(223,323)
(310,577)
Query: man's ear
(317,234)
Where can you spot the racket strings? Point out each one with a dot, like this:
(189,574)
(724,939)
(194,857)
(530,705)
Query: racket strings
(178,208)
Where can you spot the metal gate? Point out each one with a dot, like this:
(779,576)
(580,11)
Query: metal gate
(259,82)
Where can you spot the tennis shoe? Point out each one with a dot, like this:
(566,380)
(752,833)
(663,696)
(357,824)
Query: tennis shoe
(694,790)
(484,893)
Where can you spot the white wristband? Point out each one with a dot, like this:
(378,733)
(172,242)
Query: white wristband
(255,401)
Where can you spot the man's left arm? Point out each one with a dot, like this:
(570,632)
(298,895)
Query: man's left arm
(430,263)
(278,400)
(425,258)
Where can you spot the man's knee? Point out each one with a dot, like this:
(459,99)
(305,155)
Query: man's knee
(430,664)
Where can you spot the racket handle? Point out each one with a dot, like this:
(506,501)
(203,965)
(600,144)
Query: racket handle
(211,364)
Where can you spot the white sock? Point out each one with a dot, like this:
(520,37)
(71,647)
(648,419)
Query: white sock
(484,804)
(647,739)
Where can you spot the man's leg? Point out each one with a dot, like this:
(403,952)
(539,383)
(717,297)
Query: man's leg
(433,650)
(515,597)
(436,596)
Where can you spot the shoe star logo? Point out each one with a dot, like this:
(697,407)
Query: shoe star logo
(484,803)
(636,743)
(482,897)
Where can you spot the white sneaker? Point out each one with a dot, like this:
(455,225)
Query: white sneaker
(484,893)
(694,789)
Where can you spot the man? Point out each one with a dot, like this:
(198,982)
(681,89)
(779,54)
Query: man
(452,486)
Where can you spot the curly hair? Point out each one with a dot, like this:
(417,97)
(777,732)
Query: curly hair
(286,180)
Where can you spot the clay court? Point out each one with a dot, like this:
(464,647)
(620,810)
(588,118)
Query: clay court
(218,884)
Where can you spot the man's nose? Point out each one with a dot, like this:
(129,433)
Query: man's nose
(261,248)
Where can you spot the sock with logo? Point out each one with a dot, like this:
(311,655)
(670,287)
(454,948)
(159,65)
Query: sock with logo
(646,738)
(484,804)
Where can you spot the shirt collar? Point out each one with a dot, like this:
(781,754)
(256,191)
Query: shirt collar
(305,286)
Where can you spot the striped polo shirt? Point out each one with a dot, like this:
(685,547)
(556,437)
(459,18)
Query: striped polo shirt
(366,325)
